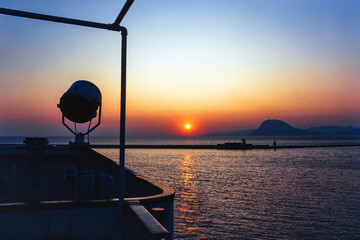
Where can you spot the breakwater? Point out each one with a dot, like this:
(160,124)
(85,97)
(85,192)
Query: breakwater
(219,146)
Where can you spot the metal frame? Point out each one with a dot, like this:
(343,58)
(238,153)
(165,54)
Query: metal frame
(111,27)
(88,131)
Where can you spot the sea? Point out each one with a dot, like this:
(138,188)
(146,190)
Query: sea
(298,193)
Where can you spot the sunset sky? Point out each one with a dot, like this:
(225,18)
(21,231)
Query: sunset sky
(216,65)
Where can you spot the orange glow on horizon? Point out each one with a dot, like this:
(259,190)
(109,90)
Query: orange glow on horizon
(188,128)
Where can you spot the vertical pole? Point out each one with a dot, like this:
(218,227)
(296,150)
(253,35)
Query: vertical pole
(122,119)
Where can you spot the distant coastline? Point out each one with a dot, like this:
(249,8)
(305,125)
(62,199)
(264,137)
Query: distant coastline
(274,127)
(219,146)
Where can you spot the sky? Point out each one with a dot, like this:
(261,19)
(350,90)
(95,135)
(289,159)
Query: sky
(214,65)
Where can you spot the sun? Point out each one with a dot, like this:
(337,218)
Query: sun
(188,126)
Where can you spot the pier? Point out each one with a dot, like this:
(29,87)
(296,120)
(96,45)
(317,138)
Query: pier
(220,146)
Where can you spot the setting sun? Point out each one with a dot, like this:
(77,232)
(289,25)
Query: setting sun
(187,126)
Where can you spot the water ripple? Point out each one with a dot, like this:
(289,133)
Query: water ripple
(282,194)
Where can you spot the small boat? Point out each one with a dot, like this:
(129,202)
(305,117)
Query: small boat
(71,191)
(240,146)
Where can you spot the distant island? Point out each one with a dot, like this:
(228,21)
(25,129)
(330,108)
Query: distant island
(273,127)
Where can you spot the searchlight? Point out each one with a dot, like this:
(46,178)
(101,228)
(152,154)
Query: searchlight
(80,104)
(115,26)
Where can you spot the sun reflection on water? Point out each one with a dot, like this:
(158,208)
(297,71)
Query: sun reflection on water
(188,200)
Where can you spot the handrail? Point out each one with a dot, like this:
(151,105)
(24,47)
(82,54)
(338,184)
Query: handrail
(112,27)
(152,228)
(123,12)
(38,16)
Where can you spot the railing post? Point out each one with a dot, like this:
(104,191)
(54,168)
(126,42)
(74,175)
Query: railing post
(122,119)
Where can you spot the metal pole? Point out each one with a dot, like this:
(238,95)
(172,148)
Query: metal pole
(122,119)
(123,12)
(110,27)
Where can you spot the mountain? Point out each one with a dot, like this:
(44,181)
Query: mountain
(334,130)
(356,131)
(279,128)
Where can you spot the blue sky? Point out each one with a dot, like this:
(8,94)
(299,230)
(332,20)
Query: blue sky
(221,65)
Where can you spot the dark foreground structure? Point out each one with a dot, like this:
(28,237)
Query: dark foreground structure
(72,192)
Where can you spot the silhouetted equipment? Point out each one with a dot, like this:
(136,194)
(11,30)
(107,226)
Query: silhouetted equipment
(81,102)
(115,26)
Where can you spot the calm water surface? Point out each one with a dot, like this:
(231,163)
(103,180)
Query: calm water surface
(258,194)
